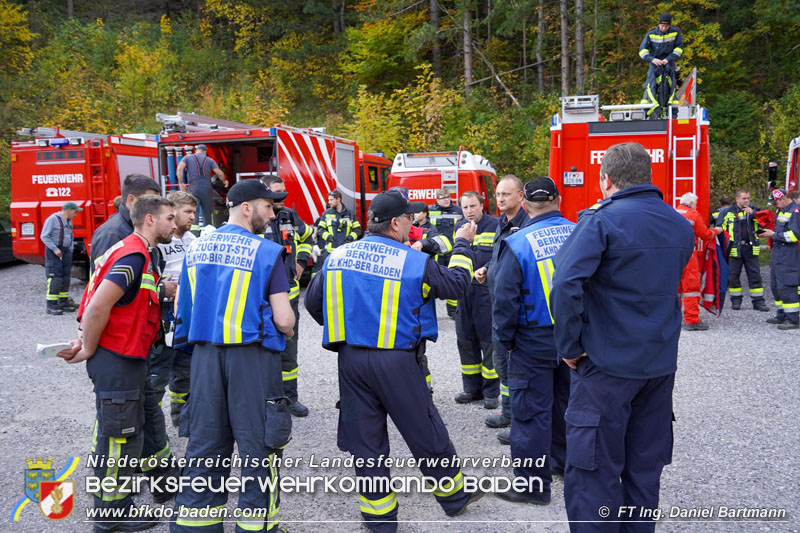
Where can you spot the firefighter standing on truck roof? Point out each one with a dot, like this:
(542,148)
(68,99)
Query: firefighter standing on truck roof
(523,326)
(335,227)
(199,168)
(289,230)
(119,319)
(739,221)
(509,197)
(445,215)
(617,325)
(785,260)
(689,289)
(661,48)
(378,316)
(59,240)
(236,313)
(473,328)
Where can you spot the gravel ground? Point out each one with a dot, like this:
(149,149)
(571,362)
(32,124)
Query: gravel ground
(736,437)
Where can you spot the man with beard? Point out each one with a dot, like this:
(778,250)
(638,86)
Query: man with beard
(236,313)
(119,320)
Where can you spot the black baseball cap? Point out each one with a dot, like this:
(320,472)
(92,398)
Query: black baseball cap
(776,194)
(251,189)
(541,190)
(202,147)
(665,18)
(390,204)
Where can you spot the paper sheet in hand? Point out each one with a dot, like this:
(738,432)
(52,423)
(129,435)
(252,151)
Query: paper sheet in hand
(50,350)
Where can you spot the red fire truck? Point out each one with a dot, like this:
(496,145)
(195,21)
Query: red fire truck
(310,162)
(60,166)
(580,135)
(793,165)
(424,173)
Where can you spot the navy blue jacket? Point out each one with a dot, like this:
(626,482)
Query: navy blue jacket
(538,340)
(505,228)
(615,289)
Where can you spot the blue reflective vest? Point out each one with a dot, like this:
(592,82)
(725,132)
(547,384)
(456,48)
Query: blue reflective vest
(374,296)
(535,246)
(227,275)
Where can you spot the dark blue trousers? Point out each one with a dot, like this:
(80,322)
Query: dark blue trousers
(377,383)
(475,344)
(156,447)
(619,437)
(235,395)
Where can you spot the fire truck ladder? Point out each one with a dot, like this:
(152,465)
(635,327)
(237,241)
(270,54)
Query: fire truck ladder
(681,146)
(97,182)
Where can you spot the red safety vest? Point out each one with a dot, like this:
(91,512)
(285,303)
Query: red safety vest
(133,327)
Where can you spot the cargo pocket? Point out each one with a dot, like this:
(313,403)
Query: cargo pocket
(517,388)
(277,423)
(184,419)
(441,439)
(119,413)
(582,427)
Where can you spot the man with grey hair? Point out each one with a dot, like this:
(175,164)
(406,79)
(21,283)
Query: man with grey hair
(376,300)
(617,324)
(690,288)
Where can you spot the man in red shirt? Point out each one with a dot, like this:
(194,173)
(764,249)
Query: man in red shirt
(119,317)
(689,289)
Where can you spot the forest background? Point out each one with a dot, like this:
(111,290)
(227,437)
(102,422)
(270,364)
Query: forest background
(398,75)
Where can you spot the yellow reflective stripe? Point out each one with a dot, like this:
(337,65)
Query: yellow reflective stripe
(756,291)
(643,52)
(379,507)
(790,236)
(290,374)
(471,369)
(94,437)
(294,291)
(488,373)
(678,51)
(148,282)
(456,485)
(459,260)
(389,306)
(50,297)
(779,304)
(427,378)
(329,247)
(199,516)
(333,289)
(453,303)
(546,269)
(192,274)
(251,524)
(272,514)
(795,305)
(735,290)
(483,239)
(665,38)
(503,390)
(426,290)
(114,452)
(162,453)
(304,248)
(177,397)
(234,308)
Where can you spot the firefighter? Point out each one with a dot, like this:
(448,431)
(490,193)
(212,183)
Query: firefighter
(445,215)
(661,48)
(58,240)
(378,316)
(523,327)
(689,290)
(785,260)
(473,330)
(617,324)
(171,366)
(289,230)
(335,227)
(199,169)
(509,197)
(431,242)
(119,319)
(718,215)
(237,315)
(739,221)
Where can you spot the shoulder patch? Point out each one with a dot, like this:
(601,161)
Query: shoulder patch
(593,209)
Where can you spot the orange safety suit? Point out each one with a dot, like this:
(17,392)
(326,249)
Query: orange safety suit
(689,288)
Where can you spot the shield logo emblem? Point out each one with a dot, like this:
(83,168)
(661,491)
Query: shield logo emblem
(57,499)
(41,471)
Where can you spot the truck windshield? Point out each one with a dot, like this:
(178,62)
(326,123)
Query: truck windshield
(431,160)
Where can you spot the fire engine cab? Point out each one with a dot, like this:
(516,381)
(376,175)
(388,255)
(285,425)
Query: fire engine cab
(580,135)
(424,173)
(60,166)
(793,165)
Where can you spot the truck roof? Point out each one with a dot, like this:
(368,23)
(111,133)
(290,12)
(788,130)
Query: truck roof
(422,161)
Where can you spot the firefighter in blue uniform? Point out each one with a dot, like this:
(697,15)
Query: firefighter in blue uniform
(234,308)
(617,323)
(473,329)
(523,324)
(289,230)
(444,214)
(661,48)
(335,227)
(785,260)
(739,221)
(375,300)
